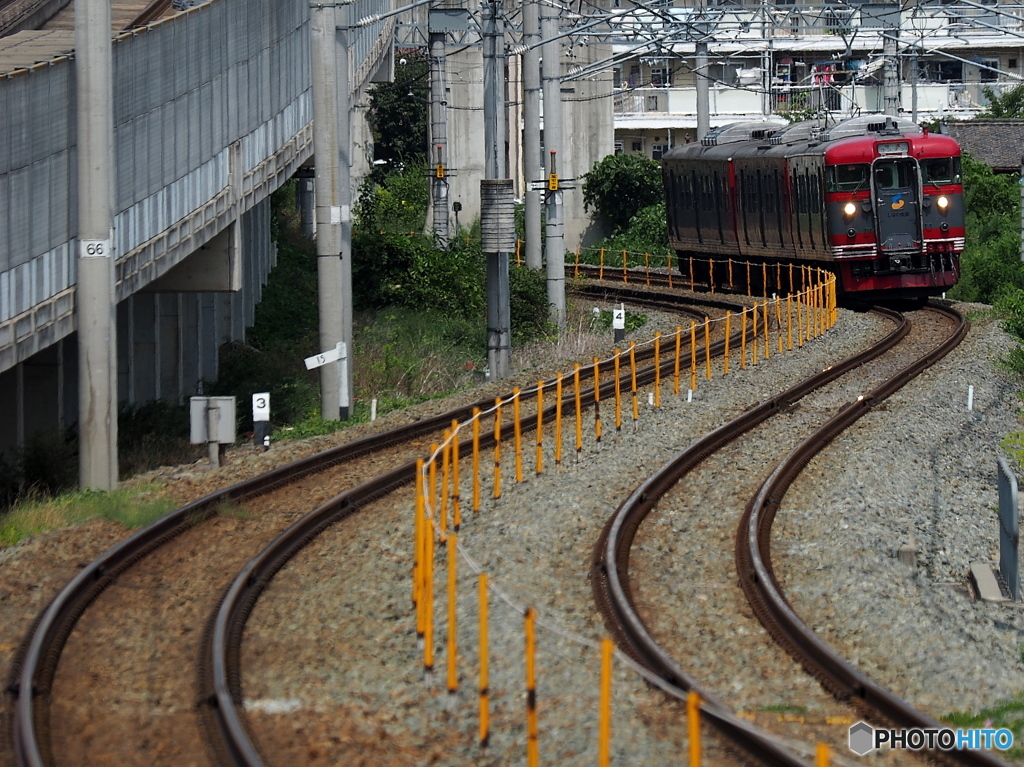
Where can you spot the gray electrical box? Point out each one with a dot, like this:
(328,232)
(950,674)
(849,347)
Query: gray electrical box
(212,420)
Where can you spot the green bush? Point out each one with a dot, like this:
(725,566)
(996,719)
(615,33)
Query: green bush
(647,232)
(528,297)
(620,185)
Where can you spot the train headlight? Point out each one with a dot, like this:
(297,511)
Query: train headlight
(943,202)
(849,209)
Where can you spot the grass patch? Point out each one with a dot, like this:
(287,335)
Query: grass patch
(1009,715)
(129,508)
(1013,445)
(783,708)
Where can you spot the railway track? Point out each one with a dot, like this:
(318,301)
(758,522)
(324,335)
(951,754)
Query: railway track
(176,539)
(651,642)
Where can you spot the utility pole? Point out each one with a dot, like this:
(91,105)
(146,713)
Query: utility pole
(439,137)
(892,82)
(95,299)
(532,165)
(703,95)
(333,201)
(496,194)
(555,225)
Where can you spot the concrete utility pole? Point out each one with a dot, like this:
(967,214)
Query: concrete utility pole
(494,189)
(95,299)
(703,93)
(533,167)
(439,137)
(333,197)
(891,70)
(555,225)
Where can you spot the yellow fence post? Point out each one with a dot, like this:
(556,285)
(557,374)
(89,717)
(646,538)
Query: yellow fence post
(632,369)
(428,605)
(748,278)
(417,552)
(731,283)
(485,711)
(618,392)
(476,459)
(576,271)
(764,279)
(821,756)
(497,447)
(456,491)
(579,411)
(605,734)
(767,340)
(442,512)
(647,267)
(600,268)
(432,486)
(693,720)
(670,268)
(707,347)
(657,369)
(558,422)
(725,351)
(679,351)
(452,657)
(693,356)
(753,334)
(531,691)
(711,275)
(540,428)
(517,434)
(692,283)
(789,322)
(778,322)
(743,340)
(519,252)
(597,401)
(625,271)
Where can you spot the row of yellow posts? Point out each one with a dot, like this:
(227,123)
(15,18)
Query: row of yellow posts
(438,506)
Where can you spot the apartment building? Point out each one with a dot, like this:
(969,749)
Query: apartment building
(928,60)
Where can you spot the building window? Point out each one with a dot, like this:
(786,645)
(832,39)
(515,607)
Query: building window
(652,103)
(989,75)
(638,146)
(1011,63)
(661,77)
(657,150)
(619,148)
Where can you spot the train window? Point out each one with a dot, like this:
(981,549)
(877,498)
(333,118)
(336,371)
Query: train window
(894,175)
(944,170)
(847,178)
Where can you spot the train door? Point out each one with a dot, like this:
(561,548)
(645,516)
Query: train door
(897,205)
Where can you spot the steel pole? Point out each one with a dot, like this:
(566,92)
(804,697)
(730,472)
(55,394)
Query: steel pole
(555,225)
(533,165)
(439,138)
(94,298)
(703,93)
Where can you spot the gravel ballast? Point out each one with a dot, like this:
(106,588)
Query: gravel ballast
(923,465)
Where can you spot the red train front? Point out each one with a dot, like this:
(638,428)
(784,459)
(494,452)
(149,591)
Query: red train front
(876,200)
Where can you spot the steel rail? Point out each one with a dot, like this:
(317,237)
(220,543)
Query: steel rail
(220,667)
(32,672)
(757,578)
(610,561)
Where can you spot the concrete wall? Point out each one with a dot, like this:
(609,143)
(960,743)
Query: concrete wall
(167,345)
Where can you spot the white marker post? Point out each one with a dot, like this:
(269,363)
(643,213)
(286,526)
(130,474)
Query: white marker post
(619,323)
(970,398)
(338,354)
(261,420)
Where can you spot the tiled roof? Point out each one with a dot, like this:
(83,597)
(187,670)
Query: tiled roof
(997,143)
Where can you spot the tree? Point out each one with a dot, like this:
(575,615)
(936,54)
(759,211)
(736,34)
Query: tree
(620,185)
(398,112)
(1005,106)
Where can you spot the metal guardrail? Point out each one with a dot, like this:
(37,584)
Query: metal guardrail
(1009,529)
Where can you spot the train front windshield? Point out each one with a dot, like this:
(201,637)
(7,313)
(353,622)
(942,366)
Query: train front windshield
(940,171)
(847,178)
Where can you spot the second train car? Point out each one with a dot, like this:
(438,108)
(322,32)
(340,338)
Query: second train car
(875,199)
